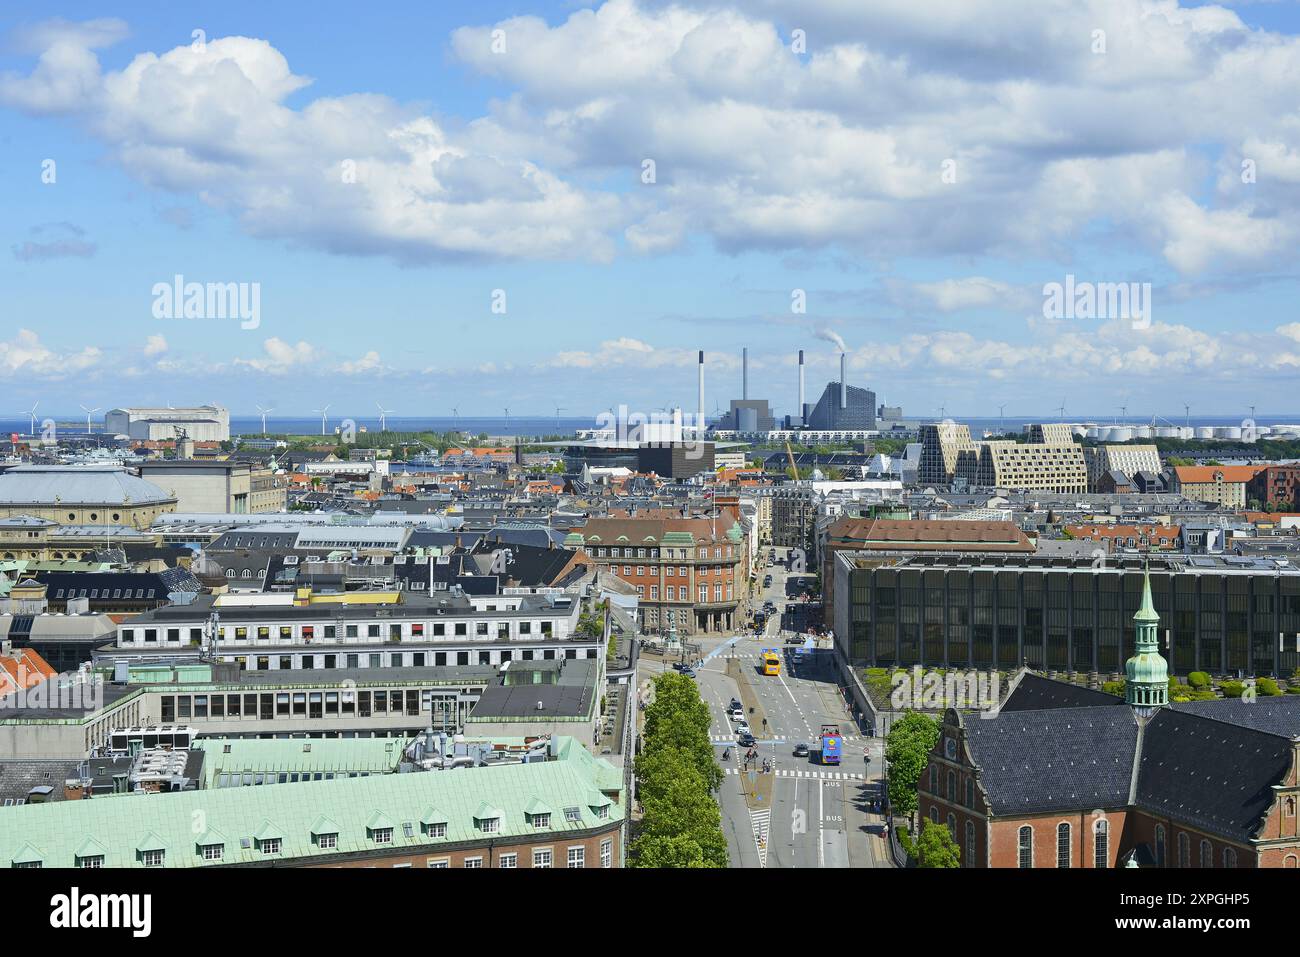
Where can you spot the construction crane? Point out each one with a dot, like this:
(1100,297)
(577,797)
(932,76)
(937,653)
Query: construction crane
(794,469)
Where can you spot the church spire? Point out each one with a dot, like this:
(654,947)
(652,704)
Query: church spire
(1146,687)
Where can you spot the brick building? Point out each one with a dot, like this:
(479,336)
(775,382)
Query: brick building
(689,573)
(1275,486)
(1064,776)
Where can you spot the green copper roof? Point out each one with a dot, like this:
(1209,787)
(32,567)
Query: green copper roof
(1148,610)
(53,833)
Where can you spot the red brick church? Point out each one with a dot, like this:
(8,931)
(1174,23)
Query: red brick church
(1064,776)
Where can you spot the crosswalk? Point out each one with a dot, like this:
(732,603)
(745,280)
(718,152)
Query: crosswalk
(731,739)
(760,822)
(812,775)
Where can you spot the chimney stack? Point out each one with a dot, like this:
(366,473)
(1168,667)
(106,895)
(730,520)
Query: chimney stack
(699,425)
(744,373)
(800,407)
(844,382)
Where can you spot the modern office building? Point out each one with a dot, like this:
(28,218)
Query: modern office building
(1128,459)
(1049,461)
(1219,615)
(218,486)
(941,444)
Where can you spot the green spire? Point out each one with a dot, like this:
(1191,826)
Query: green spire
(1147,674)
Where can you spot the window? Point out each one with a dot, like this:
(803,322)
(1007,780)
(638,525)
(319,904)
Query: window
(952,786)
(1026,847)
(489,825)
(473,862)
(435,830)
(213,852)
(91,861)
(573,815)
(1160,845)
(542,857)
(1184,850)
(152,858)
(327,842)
(1229,857)
(970,844)
(382,835)
(271,845)
(1101,844)
(577,857)
(606,853)
(440,862)
(1207,854)
(1062,845)
(541,820)
(508,861)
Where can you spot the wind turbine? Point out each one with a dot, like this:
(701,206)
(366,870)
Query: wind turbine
(383,422)
(89,413)
(507,419)
(558,410)
(1062,408)
(264,413)
(1002,428)
(323,420)
(32,413)
(455,412)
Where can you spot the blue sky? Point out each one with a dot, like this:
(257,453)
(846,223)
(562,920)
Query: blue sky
(519,167)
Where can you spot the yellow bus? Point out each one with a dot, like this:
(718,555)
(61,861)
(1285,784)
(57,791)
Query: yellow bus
(771,662)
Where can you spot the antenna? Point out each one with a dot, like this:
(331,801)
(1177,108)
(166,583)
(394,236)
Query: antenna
(1002,428)
(507,419)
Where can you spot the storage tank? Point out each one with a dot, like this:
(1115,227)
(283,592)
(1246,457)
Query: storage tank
(1166,432)
(1121,433)
(1204,432)
(1228,432)
(1143,432)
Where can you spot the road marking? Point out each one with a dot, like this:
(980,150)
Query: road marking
(760,822)
(821,841)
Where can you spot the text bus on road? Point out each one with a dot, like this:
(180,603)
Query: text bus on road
(832,743)
(771,662)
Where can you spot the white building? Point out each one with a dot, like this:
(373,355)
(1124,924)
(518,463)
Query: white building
(205,423)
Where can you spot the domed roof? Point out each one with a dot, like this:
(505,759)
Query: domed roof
(49,485)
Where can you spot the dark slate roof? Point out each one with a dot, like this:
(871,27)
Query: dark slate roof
(1054,760)
(19,776)
(1036,692)
(1209,773)
(1274,715)
(530,566)
(59,586)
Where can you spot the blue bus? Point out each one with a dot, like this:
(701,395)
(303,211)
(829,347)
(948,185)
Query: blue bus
(832,743)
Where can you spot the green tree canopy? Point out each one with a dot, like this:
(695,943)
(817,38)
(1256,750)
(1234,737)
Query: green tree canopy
(936,847)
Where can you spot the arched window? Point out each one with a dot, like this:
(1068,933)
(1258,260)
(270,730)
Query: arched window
(934,814)
(970,792)
(1229,857)
(1184,850)
(934,780)
(1160,845)
(1207,854)
(1101,844)
(952,786)
(970,844)
(1289,862)
(1062,845)
(1026,846)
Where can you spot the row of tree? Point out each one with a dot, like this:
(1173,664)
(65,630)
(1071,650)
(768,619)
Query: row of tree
(676,777)
(907,754)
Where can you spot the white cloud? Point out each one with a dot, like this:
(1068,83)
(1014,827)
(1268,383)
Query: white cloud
(25,355)
(155,345)
(282,357)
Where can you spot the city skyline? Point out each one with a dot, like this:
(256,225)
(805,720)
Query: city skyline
(909,192)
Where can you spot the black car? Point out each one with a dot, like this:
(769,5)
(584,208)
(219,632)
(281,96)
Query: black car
(801,750)
(735,703)
(689,672)
(747,740)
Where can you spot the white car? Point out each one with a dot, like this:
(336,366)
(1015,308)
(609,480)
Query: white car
(737,714)
(741,728)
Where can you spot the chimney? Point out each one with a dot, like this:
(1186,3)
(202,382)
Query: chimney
(844,382)
(699,423)
(744,373)
(799,407)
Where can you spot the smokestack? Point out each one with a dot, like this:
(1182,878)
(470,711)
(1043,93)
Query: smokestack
(699,423)
(800,409)
(744,373)
(844,383)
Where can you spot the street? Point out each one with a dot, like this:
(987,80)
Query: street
(802,813)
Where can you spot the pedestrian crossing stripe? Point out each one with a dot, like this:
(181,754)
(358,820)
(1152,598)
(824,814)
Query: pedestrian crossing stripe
(811,775)
(760,822)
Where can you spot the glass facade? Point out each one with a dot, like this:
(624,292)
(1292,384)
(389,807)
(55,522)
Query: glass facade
(1072,619)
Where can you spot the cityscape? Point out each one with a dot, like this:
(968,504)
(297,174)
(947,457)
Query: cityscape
(643,436)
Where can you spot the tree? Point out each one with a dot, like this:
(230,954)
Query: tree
(936,847)
(907,752)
